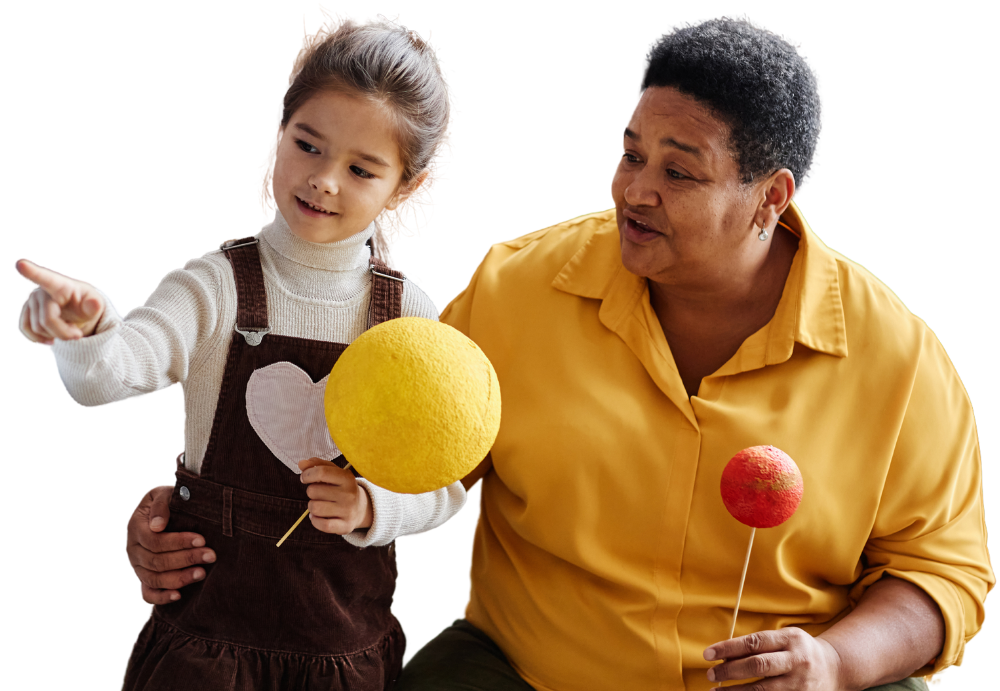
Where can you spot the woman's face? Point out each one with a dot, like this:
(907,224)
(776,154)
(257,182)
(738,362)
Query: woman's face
(337,167)
(684,218)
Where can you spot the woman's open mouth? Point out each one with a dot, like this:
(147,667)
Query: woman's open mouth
(313,210)
(639,232)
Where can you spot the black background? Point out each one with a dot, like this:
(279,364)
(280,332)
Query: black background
(142,150)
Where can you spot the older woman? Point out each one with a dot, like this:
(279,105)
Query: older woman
(638,349)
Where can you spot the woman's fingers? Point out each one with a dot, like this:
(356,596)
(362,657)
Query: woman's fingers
(763,665)
(152,596)
(788,658)
(753,644)
(155,506)
(173,569)
(170,583)
(164,562)
(160,582)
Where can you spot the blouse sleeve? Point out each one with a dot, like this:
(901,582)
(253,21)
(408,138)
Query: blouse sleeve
(930,528)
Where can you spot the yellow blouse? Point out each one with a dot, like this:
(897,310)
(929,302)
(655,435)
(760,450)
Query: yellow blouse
(604,556)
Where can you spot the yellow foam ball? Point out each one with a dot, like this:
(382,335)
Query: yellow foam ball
(413,404)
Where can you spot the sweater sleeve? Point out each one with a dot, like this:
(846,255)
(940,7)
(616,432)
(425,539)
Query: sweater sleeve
(394,515)
(151,347)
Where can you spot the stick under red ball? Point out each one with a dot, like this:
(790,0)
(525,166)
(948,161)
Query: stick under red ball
(761,487)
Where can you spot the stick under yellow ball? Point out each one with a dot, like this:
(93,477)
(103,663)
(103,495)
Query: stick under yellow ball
(413,404)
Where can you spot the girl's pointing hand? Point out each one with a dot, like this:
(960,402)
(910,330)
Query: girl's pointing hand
(337,503)
(60,307)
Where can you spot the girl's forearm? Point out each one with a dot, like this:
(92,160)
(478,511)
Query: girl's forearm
(895,630)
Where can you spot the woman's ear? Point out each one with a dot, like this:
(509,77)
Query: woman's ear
(779,191)
(404,192)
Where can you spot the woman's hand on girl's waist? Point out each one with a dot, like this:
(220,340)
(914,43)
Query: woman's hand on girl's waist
(163,561)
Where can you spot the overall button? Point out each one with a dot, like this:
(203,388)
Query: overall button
(185,493)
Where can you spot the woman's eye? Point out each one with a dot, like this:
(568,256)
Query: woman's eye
(675,175)
(306,146)
(361,172)
(631,158)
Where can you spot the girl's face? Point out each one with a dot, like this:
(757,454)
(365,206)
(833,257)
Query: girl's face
(337,167)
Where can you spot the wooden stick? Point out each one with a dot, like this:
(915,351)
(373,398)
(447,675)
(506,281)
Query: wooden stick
(302,518)
(739,593)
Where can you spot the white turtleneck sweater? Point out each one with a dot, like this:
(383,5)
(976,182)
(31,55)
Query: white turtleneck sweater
(182,334)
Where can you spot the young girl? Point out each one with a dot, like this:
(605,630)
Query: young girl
(251,331)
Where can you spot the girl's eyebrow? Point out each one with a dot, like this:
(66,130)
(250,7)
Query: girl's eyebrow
(371,158)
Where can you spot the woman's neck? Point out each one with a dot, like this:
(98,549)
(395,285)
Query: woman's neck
(705,328)
(748,297)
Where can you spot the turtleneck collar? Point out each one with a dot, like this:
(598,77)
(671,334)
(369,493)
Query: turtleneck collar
(344,255)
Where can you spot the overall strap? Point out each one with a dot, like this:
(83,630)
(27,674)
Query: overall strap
(387,293)
(251,296)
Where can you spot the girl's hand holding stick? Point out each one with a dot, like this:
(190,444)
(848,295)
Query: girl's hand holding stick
(60,307)
(337,503)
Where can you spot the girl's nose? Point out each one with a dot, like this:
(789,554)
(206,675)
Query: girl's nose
(324,181)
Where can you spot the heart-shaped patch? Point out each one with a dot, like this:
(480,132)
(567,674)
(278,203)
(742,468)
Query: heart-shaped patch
(285,408)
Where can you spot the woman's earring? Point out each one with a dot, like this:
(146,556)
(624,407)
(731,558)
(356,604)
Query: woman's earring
(763,233)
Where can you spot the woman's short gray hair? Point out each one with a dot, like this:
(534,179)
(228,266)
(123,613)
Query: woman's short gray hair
(752,80)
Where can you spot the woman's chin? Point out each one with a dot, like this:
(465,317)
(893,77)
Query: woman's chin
(646,259)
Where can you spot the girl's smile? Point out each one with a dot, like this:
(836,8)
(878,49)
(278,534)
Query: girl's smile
(313,210)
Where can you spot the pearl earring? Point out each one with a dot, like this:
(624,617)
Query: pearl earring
(763,233)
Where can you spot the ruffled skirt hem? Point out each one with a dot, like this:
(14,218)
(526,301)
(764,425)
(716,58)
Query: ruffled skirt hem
(165,658)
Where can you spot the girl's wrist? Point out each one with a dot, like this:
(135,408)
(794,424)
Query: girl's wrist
(365,509)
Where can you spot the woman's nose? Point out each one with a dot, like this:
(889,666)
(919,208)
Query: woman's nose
(641,191)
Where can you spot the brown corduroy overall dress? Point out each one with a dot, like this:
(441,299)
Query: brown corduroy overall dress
(312,614)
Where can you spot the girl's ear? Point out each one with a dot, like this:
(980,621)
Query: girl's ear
(406,191)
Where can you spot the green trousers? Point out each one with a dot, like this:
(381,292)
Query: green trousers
(463,658)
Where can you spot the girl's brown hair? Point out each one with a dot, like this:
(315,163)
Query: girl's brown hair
(387,63)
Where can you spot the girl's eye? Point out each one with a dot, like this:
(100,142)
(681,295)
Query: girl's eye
(310,149)
(306,146)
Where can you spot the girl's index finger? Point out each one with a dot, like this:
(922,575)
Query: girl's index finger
(38,275)
(53,283)
(23,267)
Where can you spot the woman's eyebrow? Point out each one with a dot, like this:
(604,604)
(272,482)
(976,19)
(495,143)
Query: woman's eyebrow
(371,158)
(669,141)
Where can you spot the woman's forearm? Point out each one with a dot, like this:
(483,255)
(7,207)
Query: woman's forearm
(895,630)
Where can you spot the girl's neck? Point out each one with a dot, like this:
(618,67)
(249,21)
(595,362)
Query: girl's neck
(348,254)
